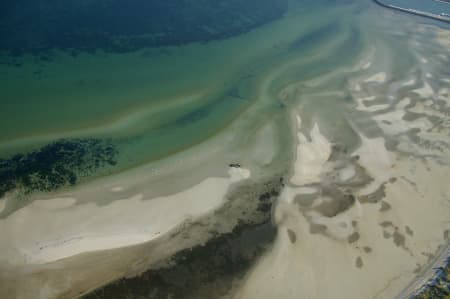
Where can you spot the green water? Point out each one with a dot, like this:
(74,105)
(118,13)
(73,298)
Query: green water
(155,102)
(158,101)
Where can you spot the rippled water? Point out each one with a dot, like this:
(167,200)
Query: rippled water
(160,100)
(340,112)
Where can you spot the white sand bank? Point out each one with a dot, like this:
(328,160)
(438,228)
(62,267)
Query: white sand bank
(49,230)
(311,155)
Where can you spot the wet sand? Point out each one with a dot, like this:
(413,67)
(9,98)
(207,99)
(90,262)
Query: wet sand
(349,159)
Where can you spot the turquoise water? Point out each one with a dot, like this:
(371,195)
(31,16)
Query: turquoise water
(155,102)
(185,113)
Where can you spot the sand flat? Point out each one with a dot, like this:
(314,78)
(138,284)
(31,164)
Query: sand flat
(381,260)
(57,228)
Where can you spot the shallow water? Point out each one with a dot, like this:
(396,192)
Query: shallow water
(151,102)
(336,109)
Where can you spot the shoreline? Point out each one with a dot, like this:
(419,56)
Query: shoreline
(415,12)
(427,279)
(342,182)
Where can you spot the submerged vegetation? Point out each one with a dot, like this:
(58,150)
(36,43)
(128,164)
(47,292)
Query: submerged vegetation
(55,165)
(30,26)
(211,269)
(198,272)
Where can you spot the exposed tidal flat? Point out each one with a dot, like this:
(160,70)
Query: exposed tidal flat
(307,158)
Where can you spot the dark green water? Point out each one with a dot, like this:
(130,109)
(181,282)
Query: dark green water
(152,101)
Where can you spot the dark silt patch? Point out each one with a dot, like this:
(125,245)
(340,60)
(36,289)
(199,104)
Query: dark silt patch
(359,262)
(338,152)
(391,144)
(292,236)
(317,228)
(447,235)
(367,249)
(384,206)
(409,231)
(305,200)
(399,239)
(374,197)
(392,180)
(411,116)
(338,202)
(386,234)
(353,237)
(386,224)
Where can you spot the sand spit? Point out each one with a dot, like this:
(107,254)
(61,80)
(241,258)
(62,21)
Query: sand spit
(311,155)
(54,230)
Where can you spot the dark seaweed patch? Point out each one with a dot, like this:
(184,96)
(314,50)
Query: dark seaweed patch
(205,271)
(266,201)
(208,270)
(55,165)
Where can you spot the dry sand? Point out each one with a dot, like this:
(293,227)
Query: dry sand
(311,155)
